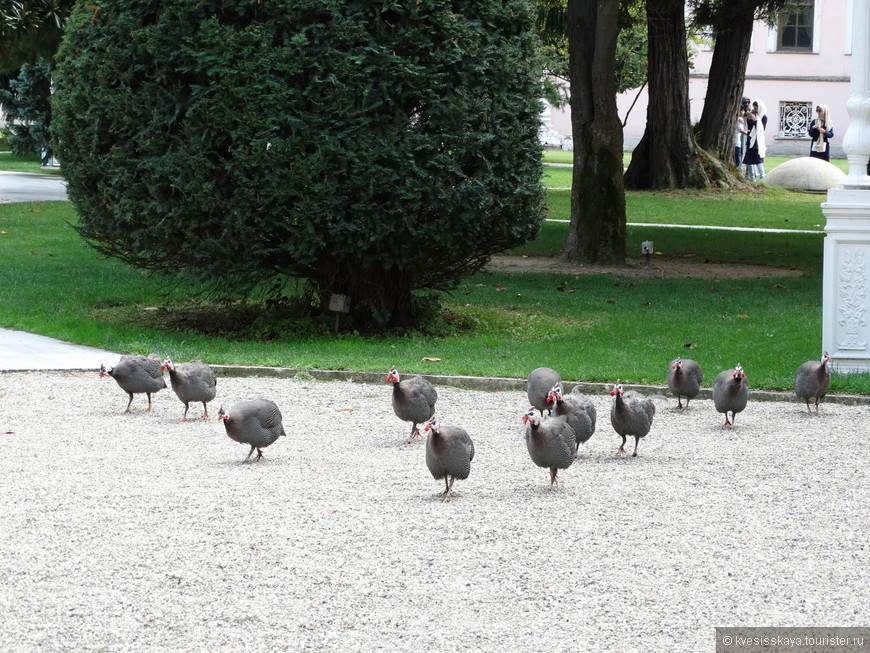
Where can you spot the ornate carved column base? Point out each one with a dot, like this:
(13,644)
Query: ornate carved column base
(846,281)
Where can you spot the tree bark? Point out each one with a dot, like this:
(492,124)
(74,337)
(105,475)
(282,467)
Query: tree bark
(667,156)
(726,80)
(597,231)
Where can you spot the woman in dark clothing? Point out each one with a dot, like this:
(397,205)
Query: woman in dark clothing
(821,131)
(756,148)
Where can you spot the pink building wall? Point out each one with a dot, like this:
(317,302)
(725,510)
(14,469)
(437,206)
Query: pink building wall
(820,77)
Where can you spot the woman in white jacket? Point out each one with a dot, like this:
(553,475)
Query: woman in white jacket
(756,147)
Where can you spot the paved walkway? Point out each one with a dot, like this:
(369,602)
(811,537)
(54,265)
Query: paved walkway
(31,187)
(27,351)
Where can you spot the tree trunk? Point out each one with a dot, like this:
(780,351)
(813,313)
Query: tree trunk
(725,82)
(597,232)
(667,156)
(378,296)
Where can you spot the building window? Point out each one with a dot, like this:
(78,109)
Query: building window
(794,28)
(794,119)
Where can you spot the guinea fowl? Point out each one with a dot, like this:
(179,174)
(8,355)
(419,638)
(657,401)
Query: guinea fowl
(538,386)
(413,399)
(811,381)
(684,379)
(630,414)
(577,409)
(551,442)
(137,374)
(449,452)
(731,392)
(256,422)
(193,381)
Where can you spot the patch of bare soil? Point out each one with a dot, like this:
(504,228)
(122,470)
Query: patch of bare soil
(658,266)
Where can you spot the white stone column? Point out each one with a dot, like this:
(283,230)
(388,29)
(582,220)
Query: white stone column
(856,141)
(846,274)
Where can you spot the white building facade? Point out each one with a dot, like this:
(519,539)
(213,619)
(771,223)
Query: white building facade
(802,61)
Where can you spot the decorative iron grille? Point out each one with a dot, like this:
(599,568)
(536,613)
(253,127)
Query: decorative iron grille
(794,119)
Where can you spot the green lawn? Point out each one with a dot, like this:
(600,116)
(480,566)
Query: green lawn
(776,208)
(13,163)
(593,327)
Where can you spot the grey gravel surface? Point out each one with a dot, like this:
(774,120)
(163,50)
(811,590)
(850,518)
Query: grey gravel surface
(140,533)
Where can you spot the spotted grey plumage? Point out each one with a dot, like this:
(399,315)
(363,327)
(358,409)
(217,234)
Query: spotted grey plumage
(811,380)
(193,381)
(630,414)
(256,422)
(538,386)
(684,379)
(449,452)
(577,409)
(413,399)
(731,392)
(551,442)
(137,374)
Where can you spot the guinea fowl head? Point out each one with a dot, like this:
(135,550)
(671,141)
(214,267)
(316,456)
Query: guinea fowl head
(826,358)
(555,393)
(532,416)
(222,414)
(104,371)
(678,364)
(739,375)
(392,375)
(167,365)
(617,390)
(431,425)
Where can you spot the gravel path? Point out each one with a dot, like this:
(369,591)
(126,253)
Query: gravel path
(140,533)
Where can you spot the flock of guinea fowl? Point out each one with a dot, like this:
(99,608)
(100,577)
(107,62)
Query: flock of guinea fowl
(552,439)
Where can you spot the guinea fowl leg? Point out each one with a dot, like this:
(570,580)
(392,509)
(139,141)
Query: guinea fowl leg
(680,403)
(445,496)
(259,454)
(249,453)
(636,442)
(553,472)
(415,432)
(184,417)
(204,410)
(148,410)
(621,447)
(128,404)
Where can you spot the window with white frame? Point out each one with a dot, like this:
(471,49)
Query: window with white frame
(794,119)
(795,27)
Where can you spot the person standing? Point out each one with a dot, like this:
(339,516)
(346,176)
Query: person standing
(821,131)
(750,154)
(756,149)
(761,112)
(739,139)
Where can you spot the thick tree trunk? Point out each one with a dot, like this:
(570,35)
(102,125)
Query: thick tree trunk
(725,82)
(378,296)
(597,232)
(667,156)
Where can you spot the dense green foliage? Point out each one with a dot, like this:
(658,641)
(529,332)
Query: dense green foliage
(29,30)
(372,149)
(27,109)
